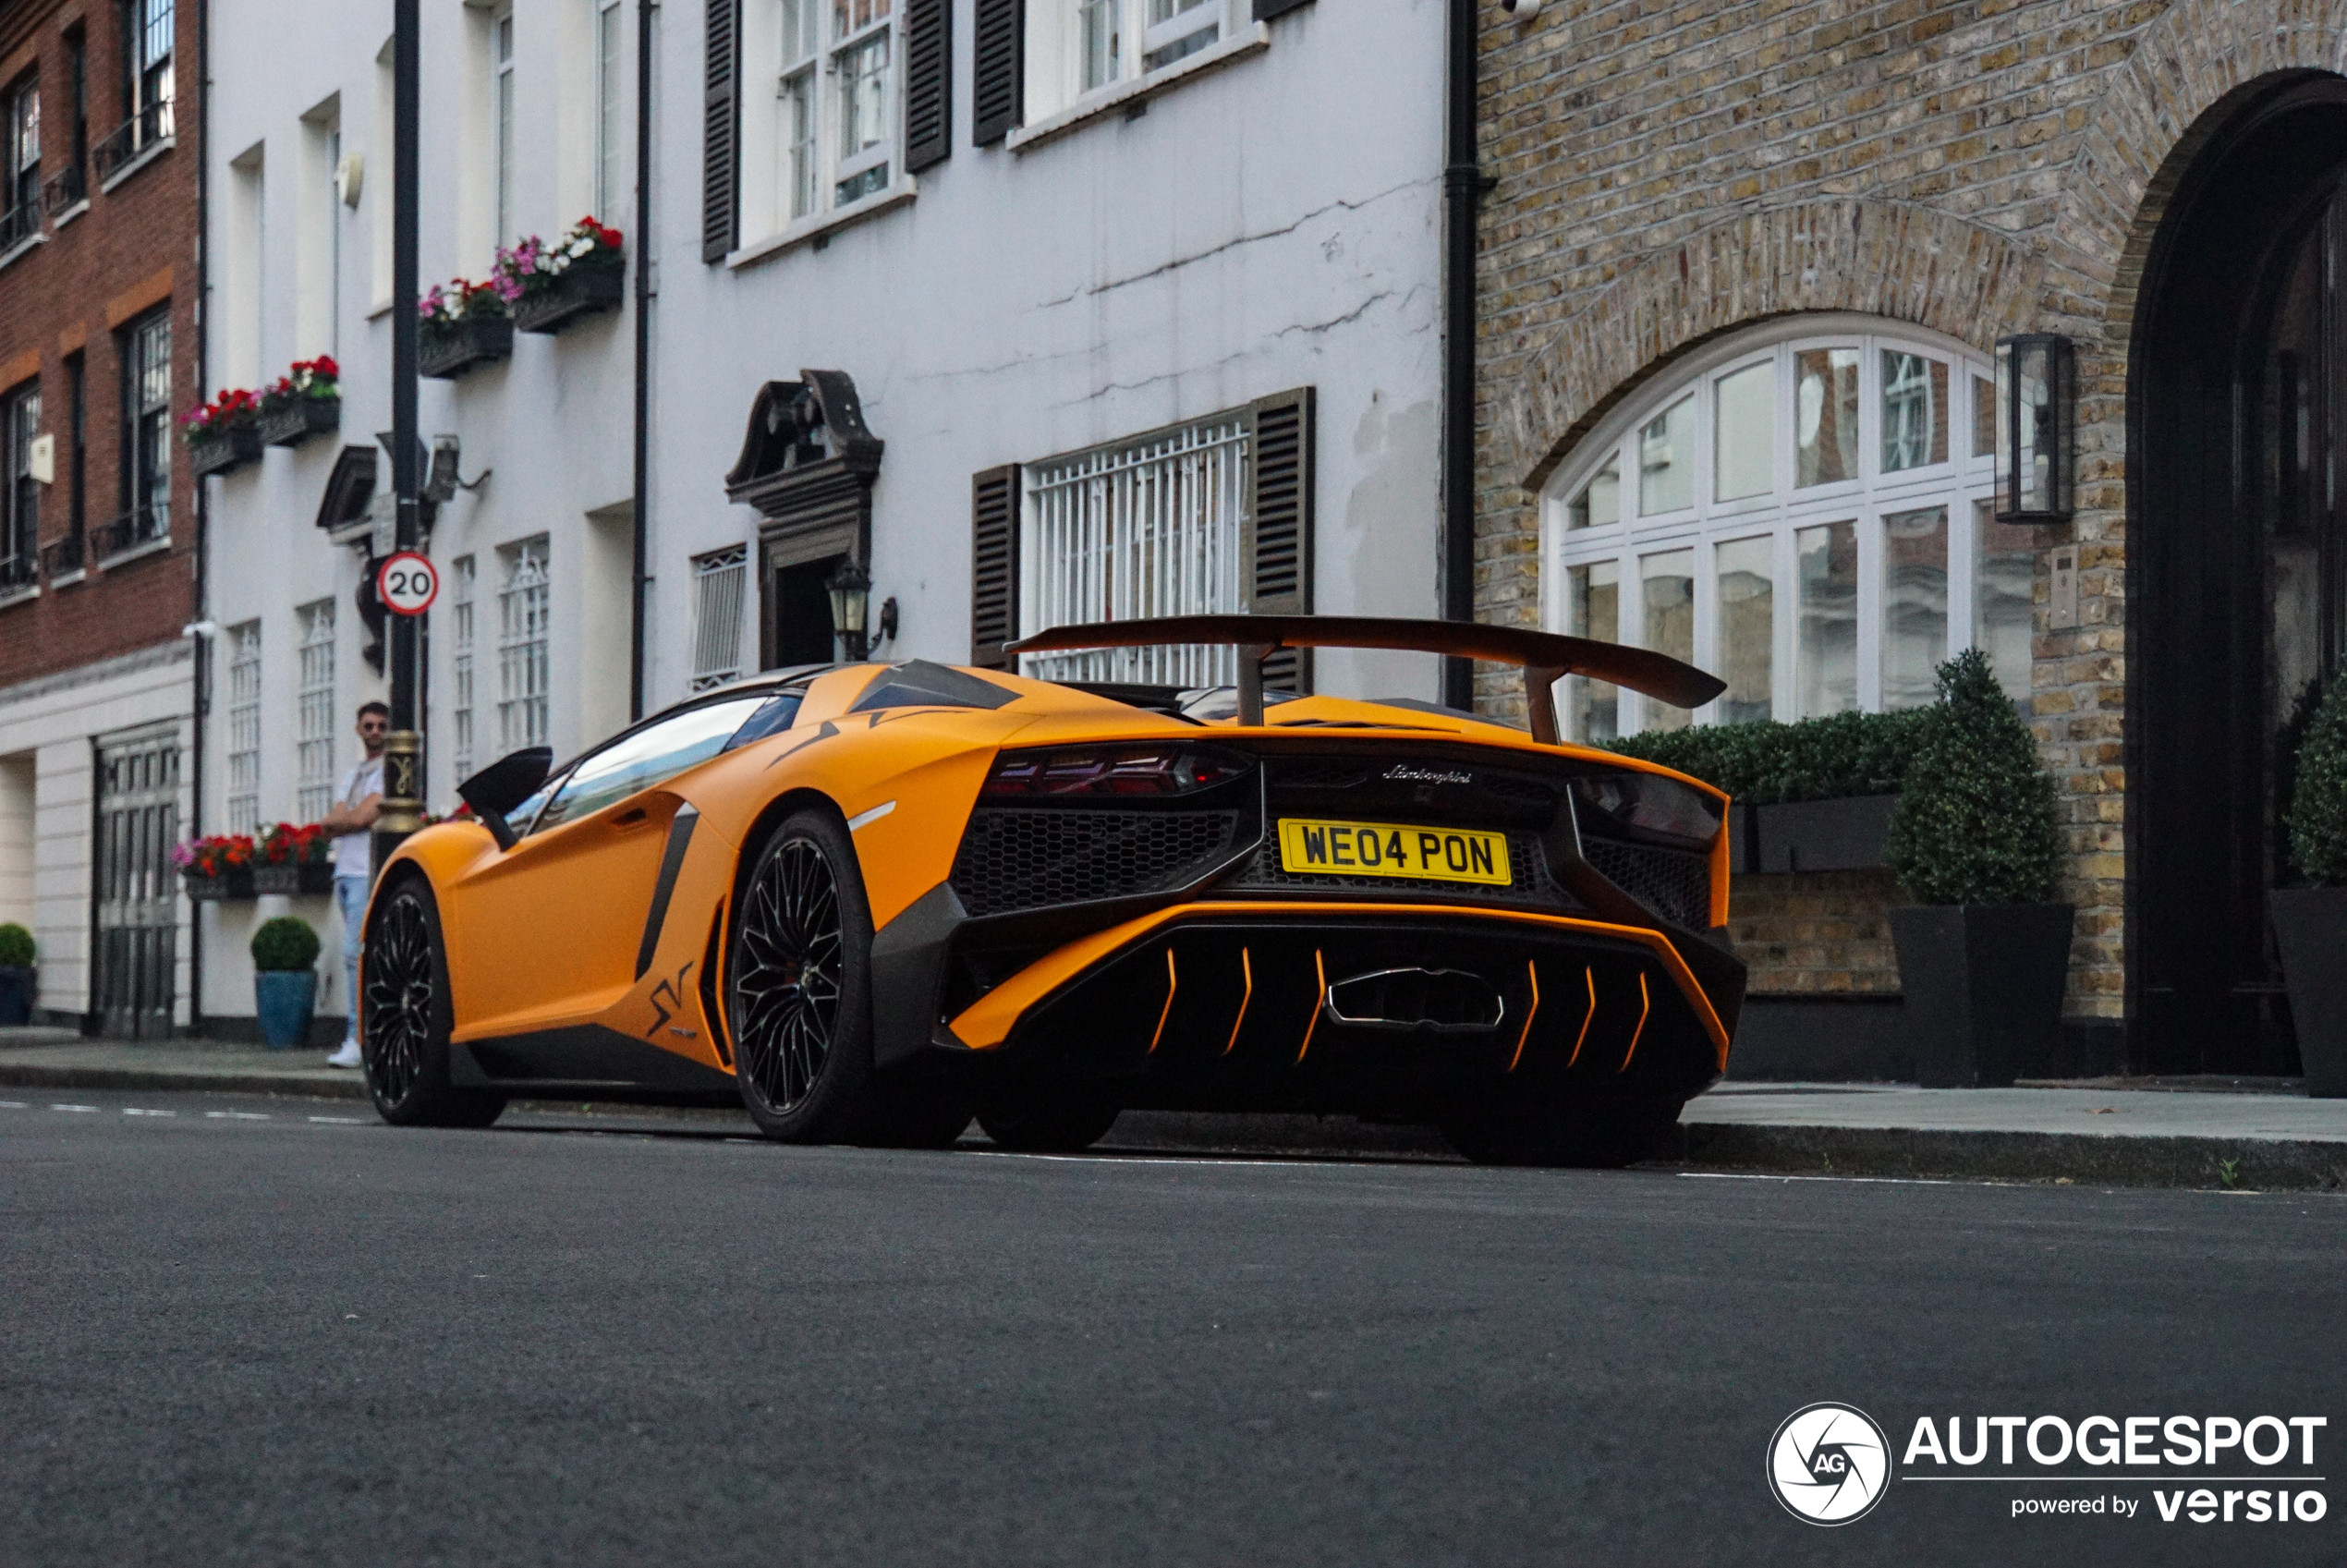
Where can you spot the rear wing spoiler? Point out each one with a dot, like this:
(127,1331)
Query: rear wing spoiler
(1544,657)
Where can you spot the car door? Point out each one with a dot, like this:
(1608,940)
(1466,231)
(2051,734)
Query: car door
(547,932)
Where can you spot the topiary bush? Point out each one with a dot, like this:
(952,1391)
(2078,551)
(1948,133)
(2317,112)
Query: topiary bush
(1768,763)
(284,943)
(16,948)
(2319,796)
(1975,822)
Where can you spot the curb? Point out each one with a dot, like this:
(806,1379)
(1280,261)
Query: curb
(2262,1164)
(32,1075)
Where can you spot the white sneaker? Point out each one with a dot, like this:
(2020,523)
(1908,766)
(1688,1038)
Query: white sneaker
(346,1057)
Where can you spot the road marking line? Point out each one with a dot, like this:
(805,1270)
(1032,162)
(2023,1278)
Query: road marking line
(1760,1176)
(135,1111)
(237,1115)
(342,1121)
(14,1105)
(73,1108)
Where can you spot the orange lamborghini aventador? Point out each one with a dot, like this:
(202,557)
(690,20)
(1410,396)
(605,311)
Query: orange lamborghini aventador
(872,900)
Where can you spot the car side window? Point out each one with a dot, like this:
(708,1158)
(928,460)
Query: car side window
(772,719)
(636,761)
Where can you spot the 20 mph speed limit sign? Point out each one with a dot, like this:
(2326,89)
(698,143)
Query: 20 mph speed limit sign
(406,583)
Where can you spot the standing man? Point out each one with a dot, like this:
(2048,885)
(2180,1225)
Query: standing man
(350,823)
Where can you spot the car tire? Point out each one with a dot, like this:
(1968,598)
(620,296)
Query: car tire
(408,1016)
(1047,1123)
(1602,1131)
(798,1002)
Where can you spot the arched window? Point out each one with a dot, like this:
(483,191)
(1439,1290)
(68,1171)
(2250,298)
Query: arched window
(1803,510)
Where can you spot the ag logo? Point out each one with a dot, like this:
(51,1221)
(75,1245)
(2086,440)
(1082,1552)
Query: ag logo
(1829,1463)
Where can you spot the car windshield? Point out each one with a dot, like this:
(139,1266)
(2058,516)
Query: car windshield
(654,753)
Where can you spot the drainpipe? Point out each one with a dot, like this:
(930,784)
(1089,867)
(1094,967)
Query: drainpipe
(1463,187)
(199,677)
(640,505)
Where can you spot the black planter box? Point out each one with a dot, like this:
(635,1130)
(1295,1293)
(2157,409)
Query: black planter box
(2310,924)
(228,885)
(445,353)
(586,288)
(225,453)
(307,877)
(1983,987)
(306,418)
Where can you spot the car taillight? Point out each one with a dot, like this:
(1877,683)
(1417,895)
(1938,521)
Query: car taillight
(1651,802)
(1113,770)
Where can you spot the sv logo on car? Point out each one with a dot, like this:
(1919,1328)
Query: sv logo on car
(674,991)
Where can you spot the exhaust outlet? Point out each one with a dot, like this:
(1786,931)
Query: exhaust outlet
(1442,1001)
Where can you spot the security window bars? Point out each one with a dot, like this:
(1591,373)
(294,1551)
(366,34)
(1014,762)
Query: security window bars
(721,581)
(1150,527)
(522,616)
(1803,516)
(20,176)
(244,728)
(611,109)
(20,499)
(501,61)
(314,711)
(463,581)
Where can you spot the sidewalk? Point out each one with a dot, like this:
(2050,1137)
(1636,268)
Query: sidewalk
(2128,1132)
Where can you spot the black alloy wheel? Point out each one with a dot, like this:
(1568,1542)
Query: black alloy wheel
(798,1001)
(407,1017)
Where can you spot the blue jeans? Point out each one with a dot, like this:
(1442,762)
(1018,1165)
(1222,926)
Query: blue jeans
(350,898)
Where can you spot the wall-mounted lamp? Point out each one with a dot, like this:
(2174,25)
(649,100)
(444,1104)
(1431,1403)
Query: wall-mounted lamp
(350,177)
(850,588)
(2036,428)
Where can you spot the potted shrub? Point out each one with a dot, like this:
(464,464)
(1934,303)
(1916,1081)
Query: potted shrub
(549,286)
(216,867)
(15,975)
(460,325)
(2310,923)
(1974,840)
(224,434)
(294,861)
(284,980)
(305,401)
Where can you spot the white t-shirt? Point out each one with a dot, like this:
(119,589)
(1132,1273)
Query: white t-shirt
(354,853)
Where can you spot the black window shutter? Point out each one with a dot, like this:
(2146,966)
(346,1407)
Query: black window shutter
(1266,9)
(928,83)
(1278,545)
(998,82)
(993,565)
(721,132)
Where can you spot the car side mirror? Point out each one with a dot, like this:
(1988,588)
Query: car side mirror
(503,786)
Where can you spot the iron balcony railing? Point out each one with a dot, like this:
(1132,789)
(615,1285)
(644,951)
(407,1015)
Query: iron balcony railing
(134,135)
(19,570)
(19,222)
(63,557)
(67,187)
(133,528)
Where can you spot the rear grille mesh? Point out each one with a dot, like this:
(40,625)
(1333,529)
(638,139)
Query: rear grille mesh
(1028,860)
(1675,884)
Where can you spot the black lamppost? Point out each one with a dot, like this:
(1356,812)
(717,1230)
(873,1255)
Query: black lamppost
(2036,428)
(403,791)
(851,589)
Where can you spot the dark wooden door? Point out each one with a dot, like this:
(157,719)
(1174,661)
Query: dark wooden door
(135,887)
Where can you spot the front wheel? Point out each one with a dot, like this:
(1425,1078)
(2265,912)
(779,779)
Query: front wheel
(408,1016)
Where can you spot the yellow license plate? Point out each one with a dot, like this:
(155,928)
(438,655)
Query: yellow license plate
(1392,849)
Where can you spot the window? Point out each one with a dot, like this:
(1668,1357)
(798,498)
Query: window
(460,667)
(20,178)
(835,116)
(1806,517)
(20,499)
(611,108)
(147,39)
(73,182)
(244,727)
(720,579)
(77,461)
(522,615)
(146,423)
(1150,527)
(500,59)
(314,711)
(1079,47)
(637,760)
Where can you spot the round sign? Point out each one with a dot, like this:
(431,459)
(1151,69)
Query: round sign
(406,583)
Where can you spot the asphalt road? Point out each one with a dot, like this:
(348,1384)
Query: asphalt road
(255,1331)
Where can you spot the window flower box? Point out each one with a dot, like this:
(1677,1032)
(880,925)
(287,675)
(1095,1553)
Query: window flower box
(224,452)
(224,885)
(294,860)
(586,289)
(216,868)
(309,878)
(447,353)
(305,401)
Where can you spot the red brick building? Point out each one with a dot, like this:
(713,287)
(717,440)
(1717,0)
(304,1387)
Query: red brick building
(100,284)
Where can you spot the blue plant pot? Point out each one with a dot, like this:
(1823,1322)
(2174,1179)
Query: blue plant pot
(16,996)
(284,999)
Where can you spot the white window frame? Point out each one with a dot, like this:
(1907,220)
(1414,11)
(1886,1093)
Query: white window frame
(1151,525)
(813,179)
(1060,36)
(1961,483)
(243,794)
(611,107)
(524,615)
(463,743)
(314,710)
(501,119)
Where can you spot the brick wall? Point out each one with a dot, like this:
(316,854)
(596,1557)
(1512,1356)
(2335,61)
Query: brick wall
(134,246)
(1815,932)
(1670,171)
